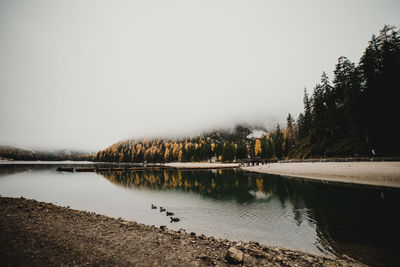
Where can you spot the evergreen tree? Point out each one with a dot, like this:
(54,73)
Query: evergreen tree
(380,68)
(290,133)
(307,113)
(228,152)
(267,150)
(304,121)
(242,150)
(278,142)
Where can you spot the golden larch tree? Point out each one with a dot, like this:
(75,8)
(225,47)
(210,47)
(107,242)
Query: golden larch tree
(257,148)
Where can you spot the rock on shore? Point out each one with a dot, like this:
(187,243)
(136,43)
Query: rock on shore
(37,233)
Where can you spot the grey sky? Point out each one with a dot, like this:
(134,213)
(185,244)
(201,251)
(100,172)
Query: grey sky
(85,74)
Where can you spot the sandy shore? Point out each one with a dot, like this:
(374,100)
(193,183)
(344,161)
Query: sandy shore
(201,165)
(40,234)
(371,173)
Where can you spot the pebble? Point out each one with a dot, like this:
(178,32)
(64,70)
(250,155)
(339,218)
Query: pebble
(235,255)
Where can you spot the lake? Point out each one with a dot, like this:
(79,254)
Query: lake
(323,218)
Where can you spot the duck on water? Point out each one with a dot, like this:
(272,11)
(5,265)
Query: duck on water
(174,219)
(168,213)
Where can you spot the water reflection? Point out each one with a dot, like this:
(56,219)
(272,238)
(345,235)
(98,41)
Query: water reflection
(359,221)
(219,184)
(17,168)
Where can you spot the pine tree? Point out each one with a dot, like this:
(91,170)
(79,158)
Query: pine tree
(278,142)
(228,152)
(242,152)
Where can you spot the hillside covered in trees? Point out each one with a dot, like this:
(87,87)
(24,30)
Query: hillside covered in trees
(13,153)
(355,114)
(224,145)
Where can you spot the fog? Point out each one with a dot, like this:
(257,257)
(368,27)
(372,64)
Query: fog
(85,74)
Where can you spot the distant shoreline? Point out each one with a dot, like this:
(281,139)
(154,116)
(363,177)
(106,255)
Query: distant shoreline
(49,162)
(376,172)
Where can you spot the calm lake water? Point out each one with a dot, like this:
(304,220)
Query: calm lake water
(322,218)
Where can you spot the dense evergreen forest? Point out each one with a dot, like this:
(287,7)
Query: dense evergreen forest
(355,114)
(8,152)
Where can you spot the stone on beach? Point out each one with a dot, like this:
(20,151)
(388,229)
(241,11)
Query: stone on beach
(235,255)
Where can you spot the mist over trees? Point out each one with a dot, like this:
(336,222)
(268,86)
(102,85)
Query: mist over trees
(355,114)
(8,152)
(221,145)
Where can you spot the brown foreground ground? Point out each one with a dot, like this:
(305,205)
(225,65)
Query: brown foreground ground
(36,234)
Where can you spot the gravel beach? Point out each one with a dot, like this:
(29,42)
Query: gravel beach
(40,234)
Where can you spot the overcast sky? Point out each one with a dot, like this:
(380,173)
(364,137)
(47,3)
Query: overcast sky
(85,74)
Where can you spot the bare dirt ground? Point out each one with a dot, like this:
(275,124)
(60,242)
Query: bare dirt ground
(372,173)
(39,234)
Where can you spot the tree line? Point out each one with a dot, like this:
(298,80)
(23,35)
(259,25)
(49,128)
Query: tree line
(8,152)
(220,145)
(356,113)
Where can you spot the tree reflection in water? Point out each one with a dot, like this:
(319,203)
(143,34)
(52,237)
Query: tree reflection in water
(359,221)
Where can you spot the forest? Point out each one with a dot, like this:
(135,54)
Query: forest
(8,152)
(356,113)
(223,145)
(353,115)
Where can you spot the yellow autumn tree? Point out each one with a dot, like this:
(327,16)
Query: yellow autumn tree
(212,147)
(180,156)
(166,154)
(257,147)
(175,151)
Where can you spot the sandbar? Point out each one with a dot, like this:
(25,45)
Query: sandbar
(194,165)
(369,173)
